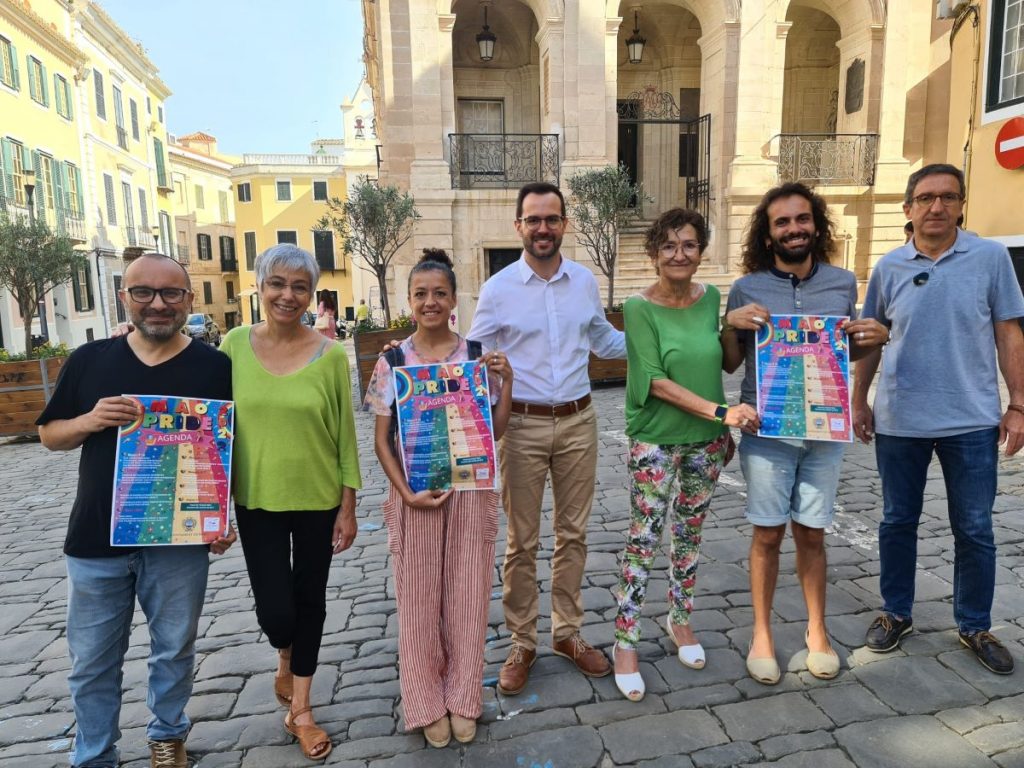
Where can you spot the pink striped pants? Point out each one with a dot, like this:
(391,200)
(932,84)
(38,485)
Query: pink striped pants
(443,562)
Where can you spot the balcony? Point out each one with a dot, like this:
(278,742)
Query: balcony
(12,207)
(828,159)
(122,137)
(502,160)
(184,257)
(71,226)
(131,237)
(145,238)
(228,265)
(280,159)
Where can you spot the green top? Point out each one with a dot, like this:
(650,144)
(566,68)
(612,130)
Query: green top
(681,345)
(295,441)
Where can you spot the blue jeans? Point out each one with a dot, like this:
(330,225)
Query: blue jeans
(969,470)
(170,583)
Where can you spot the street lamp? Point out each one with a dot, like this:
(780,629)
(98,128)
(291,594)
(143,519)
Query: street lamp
(635,43)
(486,39)
(156,238)
(30,187)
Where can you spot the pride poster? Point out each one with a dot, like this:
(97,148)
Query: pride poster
(445,427)
(172,473)
(803,378)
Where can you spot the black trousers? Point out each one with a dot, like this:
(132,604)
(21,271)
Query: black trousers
(288,556)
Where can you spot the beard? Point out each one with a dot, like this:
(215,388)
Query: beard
(793,255)
(158,332)
(529,245)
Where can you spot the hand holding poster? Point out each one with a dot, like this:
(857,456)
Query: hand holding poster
(445,427)
(172,472)
(803,378)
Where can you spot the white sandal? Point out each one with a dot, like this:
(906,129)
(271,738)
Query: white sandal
(691,656)
(630,684)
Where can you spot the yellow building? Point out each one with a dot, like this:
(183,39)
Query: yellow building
(986,121)
(124,140)
(41,157)
(205,224)
(279,199)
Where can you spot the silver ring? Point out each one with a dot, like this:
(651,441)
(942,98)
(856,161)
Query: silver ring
(744,422)
(860,335)
(757,319)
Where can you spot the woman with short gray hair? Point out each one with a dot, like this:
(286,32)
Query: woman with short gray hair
(296,472)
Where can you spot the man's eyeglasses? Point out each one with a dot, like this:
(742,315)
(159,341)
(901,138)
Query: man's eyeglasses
(921,278)
(276,284)
(143,294)
(927,199)
(533,222)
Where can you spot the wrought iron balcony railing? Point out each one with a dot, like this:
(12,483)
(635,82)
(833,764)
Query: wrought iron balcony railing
(502,160)
(828,159)
(228,265)
(184,257)
(131,238)
(12,207)
(71,226)
(122,137)
(145,238)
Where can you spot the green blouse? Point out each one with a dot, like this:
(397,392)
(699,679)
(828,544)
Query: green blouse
(295,442)
(681,345)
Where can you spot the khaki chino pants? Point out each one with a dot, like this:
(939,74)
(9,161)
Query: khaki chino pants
(533,447)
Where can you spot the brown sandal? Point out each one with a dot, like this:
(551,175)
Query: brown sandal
(309,736)
(283,684)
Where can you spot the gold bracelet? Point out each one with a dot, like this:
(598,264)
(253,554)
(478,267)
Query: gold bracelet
(1015,407)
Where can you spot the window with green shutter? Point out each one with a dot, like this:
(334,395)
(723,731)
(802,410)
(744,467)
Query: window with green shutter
(250,250)
(207,292)
(133,114)
(81,286)
(108,190)
(288,236)
(9,64)
(62,97)
(101,102)
(37,87)
(143,210)
(204,244)
(323,249)
(74,190)
(222,197)
(161,168)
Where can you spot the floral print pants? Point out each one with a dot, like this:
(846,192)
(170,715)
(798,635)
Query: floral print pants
(665,480)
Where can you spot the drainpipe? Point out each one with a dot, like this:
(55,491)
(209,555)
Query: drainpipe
(100,284)
(972,12)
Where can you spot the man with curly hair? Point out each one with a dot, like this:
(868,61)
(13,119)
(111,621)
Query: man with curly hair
(786,268)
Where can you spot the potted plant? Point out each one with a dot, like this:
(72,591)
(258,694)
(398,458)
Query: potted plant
(368,341)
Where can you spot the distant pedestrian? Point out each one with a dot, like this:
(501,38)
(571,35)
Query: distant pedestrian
(362,312)
(327,316)
(545,313)
(296,473)
(442,543)
(786,272)
(952,303)
(678,426)
(86,410)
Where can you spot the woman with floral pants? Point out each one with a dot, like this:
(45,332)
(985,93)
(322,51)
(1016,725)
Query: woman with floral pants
(677,423)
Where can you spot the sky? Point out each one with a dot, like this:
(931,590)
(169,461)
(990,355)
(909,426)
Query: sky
(263,76)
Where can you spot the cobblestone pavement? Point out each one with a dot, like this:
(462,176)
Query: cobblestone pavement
(929,704)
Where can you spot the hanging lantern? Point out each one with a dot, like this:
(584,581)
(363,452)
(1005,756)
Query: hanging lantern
(486,40)
(635,43)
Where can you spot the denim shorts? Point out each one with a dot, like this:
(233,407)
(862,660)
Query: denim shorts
(790,480)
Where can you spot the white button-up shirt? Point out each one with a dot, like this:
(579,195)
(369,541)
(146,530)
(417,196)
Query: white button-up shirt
(547,328)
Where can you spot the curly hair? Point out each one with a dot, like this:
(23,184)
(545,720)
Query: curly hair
(757,255)
(671,220)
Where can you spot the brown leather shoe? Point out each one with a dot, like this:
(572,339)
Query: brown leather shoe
(588,660)
(516,670)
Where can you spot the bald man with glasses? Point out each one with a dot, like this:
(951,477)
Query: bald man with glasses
(951,302)
(85,411)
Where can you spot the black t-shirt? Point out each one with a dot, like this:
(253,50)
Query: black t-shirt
(108,368)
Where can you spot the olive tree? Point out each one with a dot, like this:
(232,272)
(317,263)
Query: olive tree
(373,222)
(33,261)
(603,201)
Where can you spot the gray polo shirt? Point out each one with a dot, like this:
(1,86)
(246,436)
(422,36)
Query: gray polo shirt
(827,290)
(940,373)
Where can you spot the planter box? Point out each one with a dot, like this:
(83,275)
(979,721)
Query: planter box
(368,345)
(608,371)
(25,388)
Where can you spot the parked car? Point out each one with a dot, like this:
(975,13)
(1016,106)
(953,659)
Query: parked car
(202,327)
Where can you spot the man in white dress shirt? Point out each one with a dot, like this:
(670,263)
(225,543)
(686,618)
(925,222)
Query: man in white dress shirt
(545,313)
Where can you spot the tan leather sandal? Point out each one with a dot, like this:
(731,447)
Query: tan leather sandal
(309,736)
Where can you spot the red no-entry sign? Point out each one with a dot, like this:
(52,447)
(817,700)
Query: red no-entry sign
(1010,144)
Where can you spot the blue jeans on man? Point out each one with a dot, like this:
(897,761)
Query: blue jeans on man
(170,583)
(968,463)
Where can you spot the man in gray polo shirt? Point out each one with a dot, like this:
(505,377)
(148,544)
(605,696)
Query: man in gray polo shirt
(785,261)
(951,301)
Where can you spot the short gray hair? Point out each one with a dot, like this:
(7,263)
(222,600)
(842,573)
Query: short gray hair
(288,257)
(933,170)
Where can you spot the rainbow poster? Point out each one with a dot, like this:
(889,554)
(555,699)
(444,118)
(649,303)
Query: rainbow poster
(172,472)
(803,378)
(445,427)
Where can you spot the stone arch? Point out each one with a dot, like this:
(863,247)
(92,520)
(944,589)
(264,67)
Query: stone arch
(710,13)
(850,16)
(542,9)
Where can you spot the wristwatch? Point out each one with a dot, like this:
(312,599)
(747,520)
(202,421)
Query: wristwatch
(720,412)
